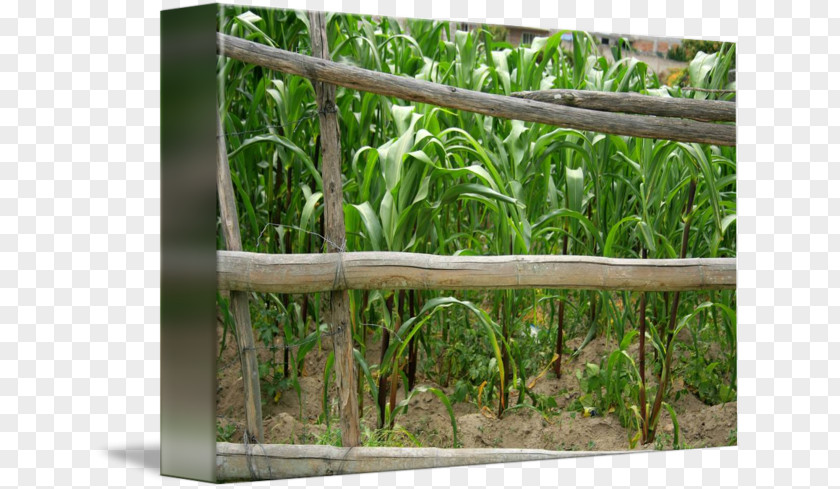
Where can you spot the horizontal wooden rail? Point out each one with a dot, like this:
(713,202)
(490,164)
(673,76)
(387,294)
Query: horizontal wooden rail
(264,462)
(636,103)
(470,100)
(303,273)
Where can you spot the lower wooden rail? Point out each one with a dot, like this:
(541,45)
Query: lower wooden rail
(305,273)
(236,462)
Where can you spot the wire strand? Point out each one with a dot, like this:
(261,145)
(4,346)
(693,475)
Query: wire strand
(295,123)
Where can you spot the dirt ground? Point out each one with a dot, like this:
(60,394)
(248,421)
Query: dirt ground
(427,420)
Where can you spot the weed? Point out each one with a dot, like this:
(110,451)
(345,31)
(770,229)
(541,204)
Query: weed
(732,440)
(224,433)
(662,441)
(331,436)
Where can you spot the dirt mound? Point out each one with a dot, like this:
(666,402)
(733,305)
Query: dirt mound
(293,419)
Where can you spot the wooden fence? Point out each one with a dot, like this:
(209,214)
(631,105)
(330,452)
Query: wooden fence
(337,271)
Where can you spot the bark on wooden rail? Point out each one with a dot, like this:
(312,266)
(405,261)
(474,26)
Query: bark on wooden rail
(303,273)
(473,101)
(635,103)
(265,462)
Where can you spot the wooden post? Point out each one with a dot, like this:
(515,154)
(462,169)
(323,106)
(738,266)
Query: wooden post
(334,218)
(239,299)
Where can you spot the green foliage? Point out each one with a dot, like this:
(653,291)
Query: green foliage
(711,373)
(732,440)
(331,436)
(224,432)
(688,48)
(663,440)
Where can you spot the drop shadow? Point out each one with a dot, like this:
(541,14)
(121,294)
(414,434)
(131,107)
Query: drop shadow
(146,457)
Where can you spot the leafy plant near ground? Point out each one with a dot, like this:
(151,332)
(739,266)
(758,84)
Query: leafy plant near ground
(225,432)
(426,179)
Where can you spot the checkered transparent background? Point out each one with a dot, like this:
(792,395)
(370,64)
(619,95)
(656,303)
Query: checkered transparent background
(80,253)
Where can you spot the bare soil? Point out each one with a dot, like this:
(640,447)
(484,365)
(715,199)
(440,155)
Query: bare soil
(295,420)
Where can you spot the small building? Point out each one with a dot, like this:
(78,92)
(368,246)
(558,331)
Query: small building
(656,46)
(516,35)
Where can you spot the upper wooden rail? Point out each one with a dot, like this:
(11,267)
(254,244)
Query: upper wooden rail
(303,273)
(483,103)
(636,103)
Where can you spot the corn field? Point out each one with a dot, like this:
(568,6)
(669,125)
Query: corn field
(425,179)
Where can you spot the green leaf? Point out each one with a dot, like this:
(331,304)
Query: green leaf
(614,233)
(286,143)
(249,20)
(475,189)
(249,207)
(628,338)
(576,216)
(306,218)
(374,389)
(443,399)
(676,425)
(388,217)
(392,153)
(647,236)
(726,221)
(698,71)
(373,229)
(574,189)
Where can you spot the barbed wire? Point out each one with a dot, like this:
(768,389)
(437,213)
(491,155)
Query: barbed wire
(340,276)
(324,334)
(708,90)
(249,441)
(330,109)
(234,422)
(290,346)
(295,123)
(340,248)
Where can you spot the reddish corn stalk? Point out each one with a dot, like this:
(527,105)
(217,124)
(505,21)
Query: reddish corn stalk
(642,388)
(383,381)
(412,344)
(666,368)
(561,310)
(395,362)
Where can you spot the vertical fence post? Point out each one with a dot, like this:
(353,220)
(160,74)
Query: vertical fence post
(238,299)
(335,236)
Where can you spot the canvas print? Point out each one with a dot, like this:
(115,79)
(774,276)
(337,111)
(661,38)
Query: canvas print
(447,243)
